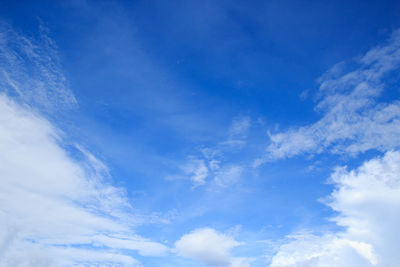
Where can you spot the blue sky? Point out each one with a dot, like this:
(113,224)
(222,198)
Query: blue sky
(187,133)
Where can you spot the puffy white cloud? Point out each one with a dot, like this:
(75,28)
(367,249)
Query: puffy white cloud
(210,247)
(352,121)
(367,201)
(327,250)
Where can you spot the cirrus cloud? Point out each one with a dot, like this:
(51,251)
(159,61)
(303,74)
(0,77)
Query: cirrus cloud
(58,204)
(352,121)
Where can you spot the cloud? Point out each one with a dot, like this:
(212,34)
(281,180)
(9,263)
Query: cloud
(240,126)
(237,134)
(209,247)
(30,70)
(318,251)
(228,175)
(58,207)
(51,202)
(212,162)
(352,121)
(367,201)
(197,170)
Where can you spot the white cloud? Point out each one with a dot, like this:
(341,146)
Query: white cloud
(352,121)
(237,134)
(52,203)
(213,163)
(30,69)
(240,126)
(319,251)
(210,247)
(197,170)
(229,175)
(367,200)
(55,210)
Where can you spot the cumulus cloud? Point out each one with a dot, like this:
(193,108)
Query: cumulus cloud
(56,209)
(210,247)
(367,201)
(352,121)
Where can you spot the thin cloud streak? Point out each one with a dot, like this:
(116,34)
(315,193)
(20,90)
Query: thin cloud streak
(30,70)
(211,165)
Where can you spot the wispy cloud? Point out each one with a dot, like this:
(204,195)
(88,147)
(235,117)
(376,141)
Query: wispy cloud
(355,120)
(352,121)
(212,164)
(51,201)
(197,170)
(56,209)
(228,175)
(30,69)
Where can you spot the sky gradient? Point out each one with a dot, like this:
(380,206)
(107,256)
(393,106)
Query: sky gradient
(188,133)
